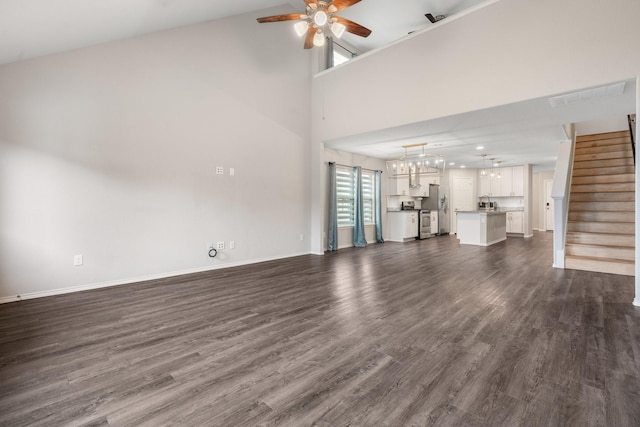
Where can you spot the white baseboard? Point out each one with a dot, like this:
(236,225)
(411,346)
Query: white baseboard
(128,281)
(636,302)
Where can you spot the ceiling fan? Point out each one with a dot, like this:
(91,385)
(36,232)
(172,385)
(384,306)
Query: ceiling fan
(320,19)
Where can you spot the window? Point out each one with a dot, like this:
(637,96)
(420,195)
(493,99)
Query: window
(345,195)
(341,54)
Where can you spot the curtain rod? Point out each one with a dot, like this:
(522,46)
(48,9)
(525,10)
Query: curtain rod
(348,166)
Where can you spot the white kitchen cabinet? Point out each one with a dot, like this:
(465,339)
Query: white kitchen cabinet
(518,181)
(430,180)
(515,222)
(398,185)
(510,184)
(506,184)
(485,186)
(422,191)
(403,225)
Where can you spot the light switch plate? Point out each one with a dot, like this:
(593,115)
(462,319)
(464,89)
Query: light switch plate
(219,170)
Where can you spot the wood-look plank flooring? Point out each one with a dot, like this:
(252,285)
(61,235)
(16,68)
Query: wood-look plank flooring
(416,334)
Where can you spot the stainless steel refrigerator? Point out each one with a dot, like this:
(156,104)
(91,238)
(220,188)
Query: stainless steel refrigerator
(438,201)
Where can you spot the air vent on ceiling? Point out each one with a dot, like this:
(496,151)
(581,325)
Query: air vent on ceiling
(596,92)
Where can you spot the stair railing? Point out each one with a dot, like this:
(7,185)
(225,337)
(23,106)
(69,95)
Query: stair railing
(632,131)
(560,195)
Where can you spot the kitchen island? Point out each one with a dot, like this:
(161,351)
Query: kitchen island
(482,228)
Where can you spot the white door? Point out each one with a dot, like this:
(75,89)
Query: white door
(462,197)
(548,205)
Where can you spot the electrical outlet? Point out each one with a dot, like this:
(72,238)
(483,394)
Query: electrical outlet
(219,170)
(77,260)
(232,244)
(220,245)
(232,171)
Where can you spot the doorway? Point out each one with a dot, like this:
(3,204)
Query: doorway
(548,205)
(462,197)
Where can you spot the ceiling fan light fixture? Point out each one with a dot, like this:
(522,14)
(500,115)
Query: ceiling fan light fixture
(320,18)
(301,28)
(338,29)
(318,39)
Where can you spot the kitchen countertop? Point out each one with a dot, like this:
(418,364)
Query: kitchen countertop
(483,212)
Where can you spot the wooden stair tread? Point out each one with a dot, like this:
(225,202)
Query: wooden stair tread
(622,228)
(587,164)
(603,136)
(602,246)
(600,171)
(600,265)
(604,179)
(618,196)
(592,258)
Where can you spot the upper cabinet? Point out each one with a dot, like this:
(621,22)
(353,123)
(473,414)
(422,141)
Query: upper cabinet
(510,183)
(399,185)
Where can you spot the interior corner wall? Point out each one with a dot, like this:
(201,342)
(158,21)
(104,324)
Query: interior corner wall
(111,152)
(493,56)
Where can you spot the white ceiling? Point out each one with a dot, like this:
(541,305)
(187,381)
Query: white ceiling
(32,28)
(516,134)
(526,132)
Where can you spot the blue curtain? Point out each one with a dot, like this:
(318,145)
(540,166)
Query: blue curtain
(378,207)
(332,229)
(358,213)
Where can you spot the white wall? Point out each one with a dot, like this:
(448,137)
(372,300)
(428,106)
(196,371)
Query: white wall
(494,56)
(110,152)
(345,234)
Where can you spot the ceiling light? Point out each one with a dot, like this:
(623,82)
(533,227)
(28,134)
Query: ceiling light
(479,147)
(318,39)
(484,171)
(452,164)
(462,166)
(320,18)
(301,28)
(338,29)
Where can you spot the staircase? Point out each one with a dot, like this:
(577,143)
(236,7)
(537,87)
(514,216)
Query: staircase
(601,228)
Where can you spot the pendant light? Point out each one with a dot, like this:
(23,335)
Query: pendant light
(499,174)
(484,171)
(492,159)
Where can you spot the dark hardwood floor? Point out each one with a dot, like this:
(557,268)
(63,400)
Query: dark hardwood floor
(416,334)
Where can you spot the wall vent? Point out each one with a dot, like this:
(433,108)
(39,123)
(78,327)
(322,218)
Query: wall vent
(615,89)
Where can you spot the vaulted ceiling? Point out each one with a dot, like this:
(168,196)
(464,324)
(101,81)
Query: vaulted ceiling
(33,28)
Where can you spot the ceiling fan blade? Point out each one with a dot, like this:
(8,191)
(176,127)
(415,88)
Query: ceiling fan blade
(431,18)
(342,4)
(278,18)
(354,28)
(308,2)
(308,42)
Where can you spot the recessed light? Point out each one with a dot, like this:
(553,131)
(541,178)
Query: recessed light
(462,166)
(452,163)
(479,147)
